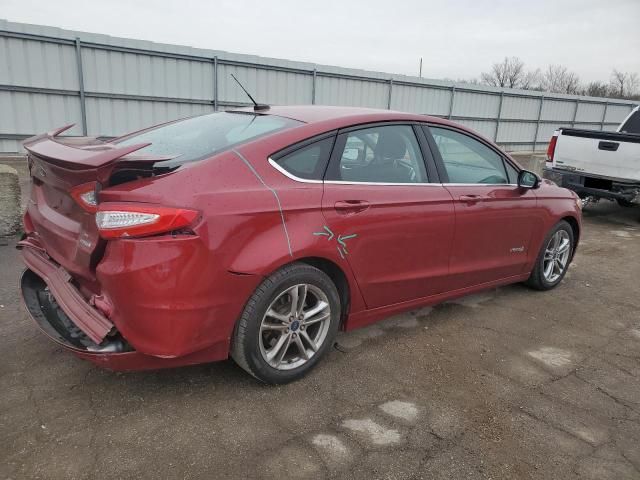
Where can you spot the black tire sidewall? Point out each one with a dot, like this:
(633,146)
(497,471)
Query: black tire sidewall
(275,285)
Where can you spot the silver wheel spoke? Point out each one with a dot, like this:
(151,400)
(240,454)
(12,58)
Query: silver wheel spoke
(277,347)
(564,246)
(311,343)
(283,351)
(317,319)
(278,316)
(301,348)
(274,326)
(302,298)
(293,291)
(320,306)
(548,269)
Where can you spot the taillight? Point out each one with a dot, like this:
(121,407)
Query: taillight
(122,220)
(551,149)
(85,196)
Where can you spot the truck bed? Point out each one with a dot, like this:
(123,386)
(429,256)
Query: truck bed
(610,155)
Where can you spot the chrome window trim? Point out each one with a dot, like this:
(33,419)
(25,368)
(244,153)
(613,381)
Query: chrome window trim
(291,176)
(287,174)
(344,182)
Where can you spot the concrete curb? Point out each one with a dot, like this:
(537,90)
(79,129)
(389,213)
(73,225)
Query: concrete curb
(9,201)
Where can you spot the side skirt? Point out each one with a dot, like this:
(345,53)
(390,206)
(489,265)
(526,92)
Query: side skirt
(367,317)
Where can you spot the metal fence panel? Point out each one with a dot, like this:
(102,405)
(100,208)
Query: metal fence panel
(353,93)
(37,112)
(590,112)
(115,117)
(472,104)
(483,127)
(109,85)
(31,63)
(558,110)
(520,108)
(140,74)
(266,86)
(432,101)
(616,113)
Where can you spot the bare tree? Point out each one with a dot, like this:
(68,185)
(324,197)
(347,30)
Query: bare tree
(508,73)
(531,80)
(558,79)
(623,84)
(596,89)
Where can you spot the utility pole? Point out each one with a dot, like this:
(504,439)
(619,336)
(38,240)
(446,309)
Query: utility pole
(420,67)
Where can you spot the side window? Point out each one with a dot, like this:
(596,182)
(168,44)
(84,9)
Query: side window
(308,162)
(385,154)
(467,160)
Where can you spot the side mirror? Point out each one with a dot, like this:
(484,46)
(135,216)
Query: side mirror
(527,179)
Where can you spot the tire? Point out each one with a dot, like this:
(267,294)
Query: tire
(266,320)
(539,278)
(625,203)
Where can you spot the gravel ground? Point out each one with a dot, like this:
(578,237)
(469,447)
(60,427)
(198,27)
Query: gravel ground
(510,383)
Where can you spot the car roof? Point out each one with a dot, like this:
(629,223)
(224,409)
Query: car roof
(339,117)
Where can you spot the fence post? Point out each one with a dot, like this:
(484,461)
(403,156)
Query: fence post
(495,135)
(313,87)
(535,138)
(453,96)
(215,83)
(390,90)
(575,113)
(604,115)
(83,104)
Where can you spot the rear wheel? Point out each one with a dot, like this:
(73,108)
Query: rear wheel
(288,324)
(553,259)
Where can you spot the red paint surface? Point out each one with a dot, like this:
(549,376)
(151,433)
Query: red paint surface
(176,298)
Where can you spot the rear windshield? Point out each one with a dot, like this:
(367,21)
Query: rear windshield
(200,137)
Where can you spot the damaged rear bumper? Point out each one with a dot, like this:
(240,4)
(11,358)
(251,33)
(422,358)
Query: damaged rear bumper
(112,353)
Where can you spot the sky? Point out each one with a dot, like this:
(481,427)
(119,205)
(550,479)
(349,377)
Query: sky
(457,39)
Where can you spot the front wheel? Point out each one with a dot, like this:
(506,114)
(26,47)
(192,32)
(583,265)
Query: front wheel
(288,324)
(553,260)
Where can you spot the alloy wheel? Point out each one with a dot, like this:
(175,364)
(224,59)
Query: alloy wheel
(556,256)
(294,326)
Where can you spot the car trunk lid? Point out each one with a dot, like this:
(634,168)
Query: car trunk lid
(65,229)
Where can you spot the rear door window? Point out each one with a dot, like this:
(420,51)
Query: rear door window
(200,137)
(382,154)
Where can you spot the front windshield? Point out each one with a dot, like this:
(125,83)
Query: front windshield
(200,137)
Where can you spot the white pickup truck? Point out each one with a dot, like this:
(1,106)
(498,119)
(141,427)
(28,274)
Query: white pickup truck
(597,164)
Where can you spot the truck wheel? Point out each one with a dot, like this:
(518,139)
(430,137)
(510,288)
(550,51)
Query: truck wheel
(288,324)
(625,203)
(553,260)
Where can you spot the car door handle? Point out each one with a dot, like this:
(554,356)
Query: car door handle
(471,199)
(345,207)
(609,146)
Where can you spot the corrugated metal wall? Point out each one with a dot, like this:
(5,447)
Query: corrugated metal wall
(108,86)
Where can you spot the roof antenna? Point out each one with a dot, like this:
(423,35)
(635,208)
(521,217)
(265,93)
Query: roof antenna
(256,106)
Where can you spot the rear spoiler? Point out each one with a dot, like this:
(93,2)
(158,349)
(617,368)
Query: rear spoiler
(83,153)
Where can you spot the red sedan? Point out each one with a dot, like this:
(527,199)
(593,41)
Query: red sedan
(258,234)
